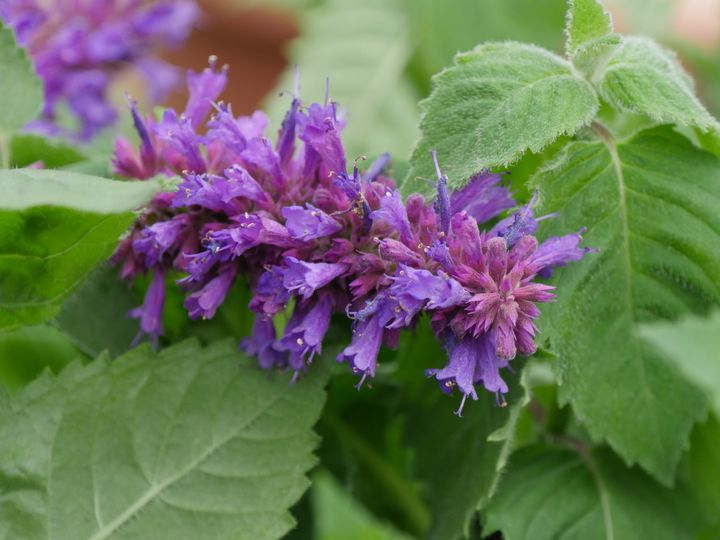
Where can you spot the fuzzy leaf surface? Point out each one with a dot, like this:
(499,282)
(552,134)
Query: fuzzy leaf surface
(187,443)
(21,91)
(650,205)
(55,227)
(551,492)
(588,21)
(643,77)
(495,103)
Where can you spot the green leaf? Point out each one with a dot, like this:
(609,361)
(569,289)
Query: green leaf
(27,149)
(108,328)
(55,227)
(339,517)
(21,91)
(460,459)
(701,466)
(588,22)
(560,493)
(693,344)
(650,205)
(365,69)
(642,77)
(187,443)
(494,104)
(26,352)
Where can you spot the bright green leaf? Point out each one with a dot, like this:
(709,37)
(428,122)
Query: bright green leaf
(550,493)
(21,92)
(187,443)
(494,104)
(650,205)
(460,459)
(366,72)
(643,77)
(55,227)
(693,344)
(339,517)
(588,21)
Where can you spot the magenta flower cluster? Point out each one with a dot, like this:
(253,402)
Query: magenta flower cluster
(305,232)
(77,46)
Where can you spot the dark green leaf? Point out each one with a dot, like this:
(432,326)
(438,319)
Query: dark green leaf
(650,205)
(550,493)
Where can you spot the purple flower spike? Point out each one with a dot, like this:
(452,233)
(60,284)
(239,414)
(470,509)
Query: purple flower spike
(442,200)
(309,223)
(305,277)
(150,313)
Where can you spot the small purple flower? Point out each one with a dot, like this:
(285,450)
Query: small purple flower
(155,240)
(483,197)
(305,277)
(309,223)
(260,344)
(204,88)
(305,331)
(392,212)
(150,313)
(558,251)
(205,302)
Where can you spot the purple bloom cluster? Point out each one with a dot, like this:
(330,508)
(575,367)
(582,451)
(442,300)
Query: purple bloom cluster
(305,232)
(78,45)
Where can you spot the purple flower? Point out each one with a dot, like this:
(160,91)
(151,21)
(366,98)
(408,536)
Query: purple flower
(367,337)
(471,361)
(558,251)
(482,198)
(150,313)
(205,302)
(392,212)
(305,277)
(309,223)
(260,344)
(305,331)
(204,88)
(155,240)
(79,47)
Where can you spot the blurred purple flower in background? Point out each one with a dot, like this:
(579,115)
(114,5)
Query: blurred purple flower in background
(310,236)
(78,46)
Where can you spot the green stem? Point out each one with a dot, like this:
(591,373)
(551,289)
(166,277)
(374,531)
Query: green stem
(405,494)
(4,152)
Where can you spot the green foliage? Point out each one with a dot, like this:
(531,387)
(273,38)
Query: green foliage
(55,227)
(553,492)
(21,92)
(693,344)
(188,443)
(365,69)
(460,460)
(495,103)
(645,202)
(26,149)
(701,467)
(340,517)
(27,351)
(588,23)
(640,76)
(109,300)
